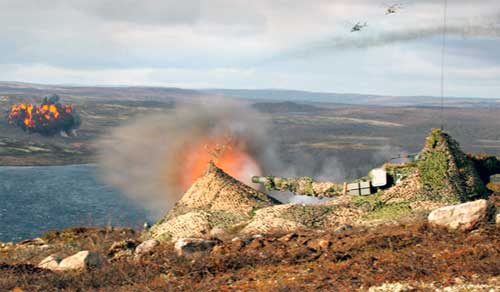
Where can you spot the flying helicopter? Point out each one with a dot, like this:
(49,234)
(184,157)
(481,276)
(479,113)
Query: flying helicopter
(393,9)
(358,27)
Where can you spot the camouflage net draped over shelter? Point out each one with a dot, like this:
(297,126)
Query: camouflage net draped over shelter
(446,173)
(214,200)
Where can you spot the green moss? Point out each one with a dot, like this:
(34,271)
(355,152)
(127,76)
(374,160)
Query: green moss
(309,215)
(376,209)
(305,183)
(366,203)
(433,168)
(389,211)
(434,138)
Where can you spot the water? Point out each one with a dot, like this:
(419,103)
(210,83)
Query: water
(34,200)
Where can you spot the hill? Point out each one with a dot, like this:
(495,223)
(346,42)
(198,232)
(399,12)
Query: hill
(355,99)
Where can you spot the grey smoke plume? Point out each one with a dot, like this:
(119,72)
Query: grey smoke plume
(142,158)
(366,39)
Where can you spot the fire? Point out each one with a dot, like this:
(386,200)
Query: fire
(228,154)
(48,118)
(33,115)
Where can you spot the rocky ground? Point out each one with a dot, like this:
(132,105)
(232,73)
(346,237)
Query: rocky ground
(414,256)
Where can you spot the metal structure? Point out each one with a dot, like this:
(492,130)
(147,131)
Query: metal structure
(358,27)
(393,9)
(377,178)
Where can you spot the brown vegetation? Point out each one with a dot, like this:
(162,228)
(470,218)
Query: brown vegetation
(309,261)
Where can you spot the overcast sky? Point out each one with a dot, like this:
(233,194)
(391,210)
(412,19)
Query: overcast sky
(290,44)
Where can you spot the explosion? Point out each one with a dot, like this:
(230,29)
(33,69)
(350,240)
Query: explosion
(155,158)
(227,153)
(48,119)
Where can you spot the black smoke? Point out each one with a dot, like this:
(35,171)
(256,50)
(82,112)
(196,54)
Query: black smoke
(48,119)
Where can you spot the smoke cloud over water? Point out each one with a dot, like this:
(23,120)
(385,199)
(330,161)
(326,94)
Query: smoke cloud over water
(154,159)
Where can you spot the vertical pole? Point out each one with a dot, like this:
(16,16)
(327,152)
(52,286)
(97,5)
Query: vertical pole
(443,50)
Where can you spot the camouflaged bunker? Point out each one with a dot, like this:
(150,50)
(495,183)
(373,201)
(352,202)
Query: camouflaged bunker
(441,166)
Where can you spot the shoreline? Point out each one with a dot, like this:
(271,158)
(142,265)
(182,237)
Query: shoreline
(16,162)
(50,165)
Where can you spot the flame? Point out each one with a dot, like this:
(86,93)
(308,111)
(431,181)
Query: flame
(229,154)
(33,115)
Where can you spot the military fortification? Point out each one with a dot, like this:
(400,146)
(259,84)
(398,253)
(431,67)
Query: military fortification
(218,205)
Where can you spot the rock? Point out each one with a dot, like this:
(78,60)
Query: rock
(342,228)
(256,244)
(6,245)
(33,242)
(192,247)
(237,243)
(122,248)
(288,237)
(464,216)
(51,262)
(82,260)
(217,250)
(218,232)
(319,244)
(392,287)
(145,247)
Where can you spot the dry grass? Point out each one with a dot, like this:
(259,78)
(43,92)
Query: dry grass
(357,258)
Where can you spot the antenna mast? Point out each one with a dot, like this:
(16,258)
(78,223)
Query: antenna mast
(443,49)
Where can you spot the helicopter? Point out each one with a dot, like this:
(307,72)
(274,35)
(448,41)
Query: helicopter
(358,27)
(393,9)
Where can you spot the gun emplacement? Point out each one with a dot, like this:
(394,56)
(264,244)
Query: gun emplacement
(301,186)
(376,179)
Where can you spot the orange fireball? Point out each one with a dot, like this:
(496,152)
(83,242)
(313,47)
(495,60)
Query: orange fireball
(229,154)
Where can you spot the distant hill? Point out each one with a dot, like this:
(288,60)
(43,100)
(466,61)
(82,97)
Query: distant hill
(355,99)
(173,94)
(285,107)
(105,92)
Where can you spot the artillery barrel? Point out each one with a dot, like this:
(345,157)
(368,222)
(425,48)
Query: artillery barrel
(300,186)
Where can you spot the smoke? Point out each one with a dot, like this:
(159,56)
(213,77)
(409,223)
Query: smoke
(368,39)
(153,158)
(50,118)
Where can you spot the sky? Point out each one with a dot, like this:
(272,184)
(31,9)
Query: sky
(255,44)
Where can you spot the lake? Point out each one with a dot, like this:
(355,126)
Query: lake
(34,200)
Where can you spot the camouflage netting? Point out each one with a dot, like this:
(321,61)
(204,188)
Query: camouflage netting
(216,190)
(447,174)
(443,173)
(214,200)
